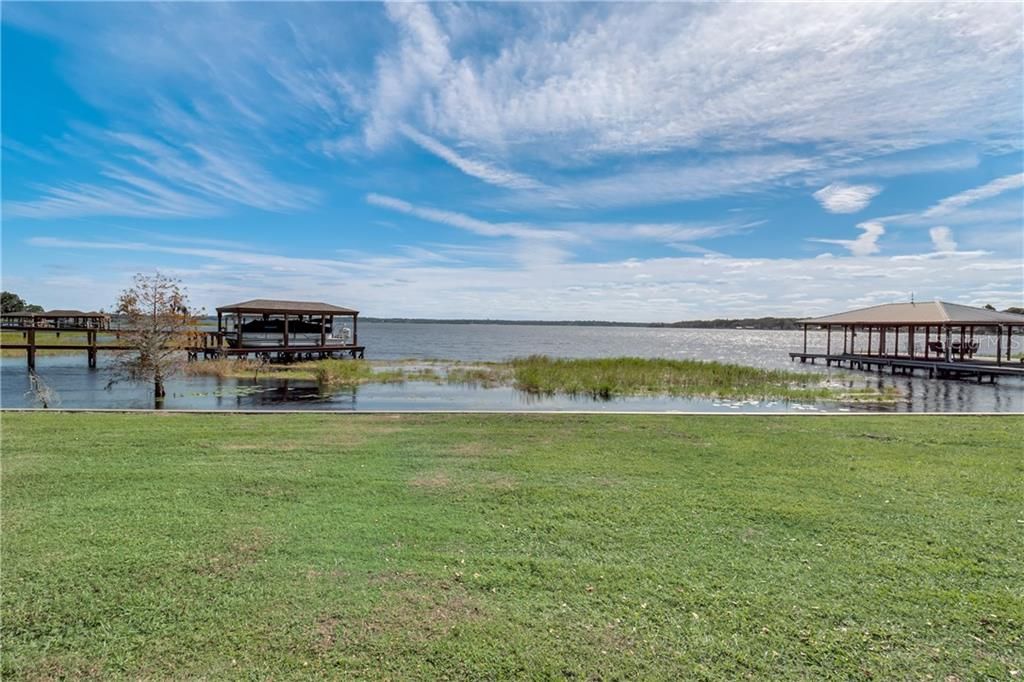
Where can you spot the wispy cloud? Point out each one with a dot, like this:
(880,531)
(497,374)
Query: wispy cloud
(131,197)
(987,191)
(481,170)
(559,85)
(842,198)
(146,177)
(468,223)
(864,245)
(661,183)
(577,231)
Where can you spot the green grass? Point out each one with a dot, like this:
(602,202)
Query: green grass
(532,546)
(49,338)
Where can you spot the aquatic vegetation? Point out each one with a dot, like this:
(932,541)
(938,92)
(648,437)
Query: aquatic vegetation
(598,378)
(605,378)
(486,375)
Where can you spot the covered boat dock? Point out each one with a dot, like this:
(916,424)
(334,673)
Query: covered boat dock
(947,340)
(283,329)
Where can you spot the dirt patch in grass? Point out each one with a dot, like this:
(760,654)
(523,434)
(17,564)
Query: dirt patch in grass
(612,639)
(241,553)
(500,482)
(52,668)
(326,634)
(431,480)
(416,608)
(470,449)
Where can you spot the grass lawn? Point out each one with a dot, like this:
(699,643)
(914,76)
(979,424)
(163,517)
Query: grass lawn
(489,546)
(48,337)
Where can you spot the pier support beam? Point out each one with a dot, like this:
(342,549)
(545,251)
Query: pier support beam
(31,351)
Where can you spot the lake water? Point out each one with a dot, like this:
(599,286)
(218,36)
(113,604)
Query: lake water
(78,387)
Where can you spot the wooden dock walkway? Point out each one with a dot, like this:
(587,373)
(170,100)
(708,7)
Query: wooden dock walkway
(208,345)
(902,365)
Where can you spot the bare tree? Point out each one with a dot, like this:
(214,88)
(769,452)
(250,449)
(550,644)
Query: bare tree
(40,392)
(157,326)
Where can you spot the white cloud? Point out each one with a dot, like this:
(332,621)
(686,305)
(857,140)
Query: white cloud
(986,191)
(842,198)
(942,239)
(864,245)
(468,223)
(656,77)
(667,183)
(478,169)
(666,233)
(546,288)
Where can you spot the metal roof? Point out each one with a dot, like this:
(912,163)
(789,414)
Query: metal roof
(266,305)
(70,313)
(934,312)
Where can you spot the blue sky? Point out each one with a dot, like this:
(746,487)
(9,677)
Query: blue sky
(640,162)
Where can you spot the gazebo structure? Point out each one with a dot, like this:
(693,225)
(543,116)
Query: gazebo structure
(287,328)
(57,319)
(935,335)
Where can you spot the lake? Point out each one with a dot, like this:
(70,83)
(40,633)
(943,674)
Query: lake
(78,387)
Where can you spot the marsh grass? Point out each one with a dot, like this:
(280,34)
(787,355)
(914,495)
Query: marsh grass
(598,378)
(486,375)
(605,378)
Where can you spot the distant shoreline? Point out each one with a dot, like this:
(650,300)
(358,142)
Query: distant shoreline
(762,323)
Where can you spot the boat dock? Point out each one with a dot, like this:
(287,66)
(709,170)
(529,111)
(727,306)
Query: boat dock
(210,347)
(272,330)
(940,339)
(935,369)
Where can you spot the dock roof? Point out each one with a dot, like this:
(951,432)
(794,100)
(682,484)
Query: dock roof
(274,307)
(70,313)
(933,312)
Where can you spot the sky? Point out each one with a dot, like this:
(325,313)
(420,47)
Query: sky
(628,162)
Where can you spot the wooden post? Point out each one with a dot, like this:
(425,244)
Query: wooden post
(910,341)
(238,328)
(870,328)
(1009,341)
(881,340)
(853,340)
(963,339)
(828,340)
(896,344)
(805,338)
(927,339)
(949,343)
(323,330)
(31,352)
(286,329)
(845,327)
(355,335)
(999,345)
(91,338)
